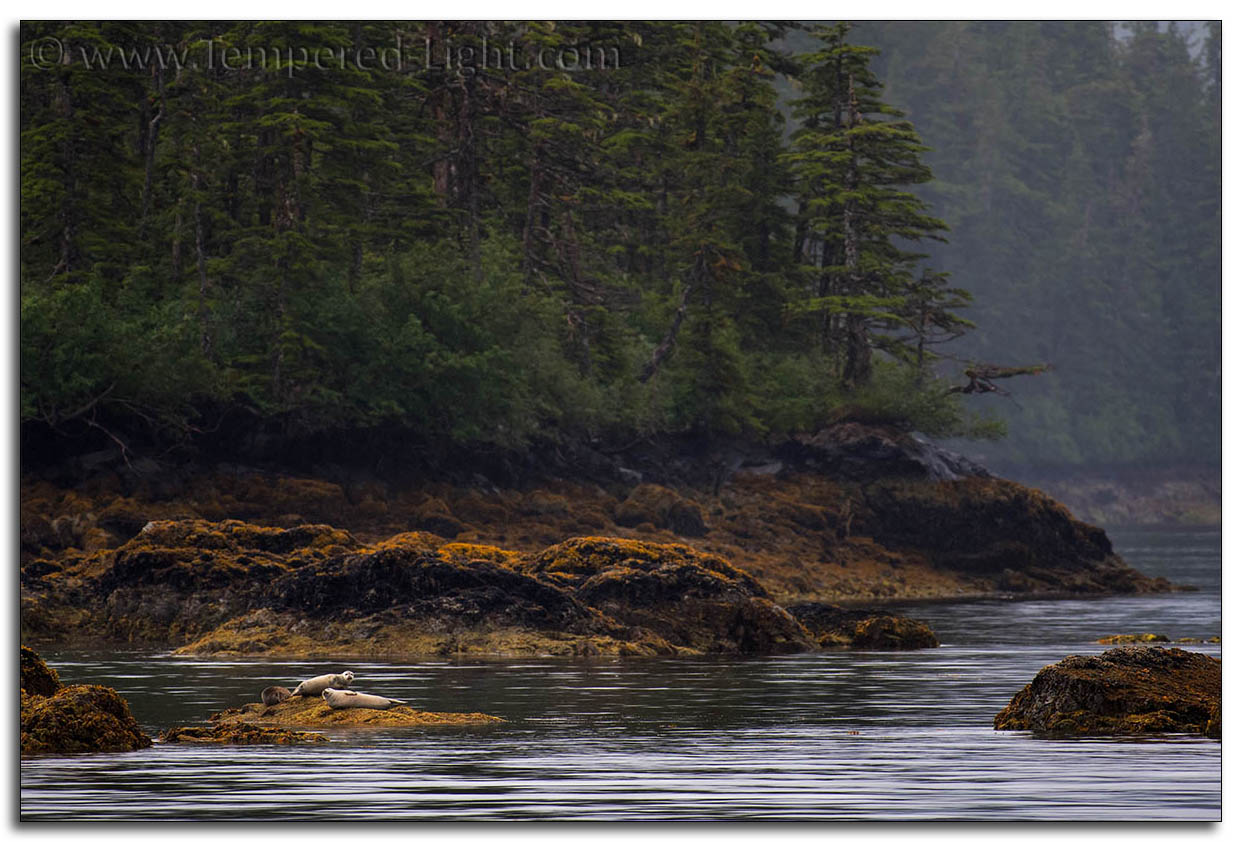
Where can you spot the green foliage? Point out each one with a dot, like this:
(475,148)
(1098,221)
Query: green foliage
(528,253)
(903,397)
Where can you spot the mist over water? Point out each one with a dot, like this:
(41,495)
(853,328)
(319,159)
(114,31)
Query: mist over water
(827,735)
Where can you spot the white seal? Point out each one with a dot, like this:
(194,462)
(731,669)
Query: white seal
(315,686)
(338,699)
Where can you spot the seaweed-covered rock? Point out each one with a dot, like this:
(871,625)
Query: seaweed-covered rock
(314,712)
(1018,536)
(1121,639)
(453,587)
(239,733)
(38,679)
(892,632)
(663,508)
(857,628)
(689,598)
(79,718)
(175,579)
(1131,690)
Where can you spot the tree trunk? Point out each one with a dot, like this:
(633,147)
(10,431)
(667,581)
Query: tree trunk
(857,371)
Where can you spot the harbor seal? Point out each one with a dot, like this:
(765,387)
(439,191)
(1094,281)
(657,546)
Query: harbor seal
(338,699)
(315,686)
(274,695)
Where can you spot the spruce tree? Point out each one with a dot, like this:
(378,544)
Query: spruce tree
(854,159)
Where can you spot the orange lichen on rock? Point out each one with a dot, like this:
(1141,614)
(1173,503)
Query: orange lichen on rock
(78,718)
(37,678)
(691,599)
(661,507)
(519,569)
(833,626)
(314,712)
(415,541)
(239,733)
(1146,637)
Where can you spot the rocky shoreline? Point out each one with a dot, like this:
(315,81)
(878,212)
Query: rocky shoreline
(245,563)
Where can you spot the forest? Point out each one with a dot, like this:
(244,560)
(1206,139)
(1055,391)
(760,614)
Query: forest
(280,239)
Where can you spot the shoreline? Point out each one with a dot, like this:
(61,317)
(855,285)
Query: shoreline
(233,563)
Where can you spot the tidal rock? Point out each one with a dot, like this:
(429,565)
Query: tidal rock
(79,718)
(38,679)
(314,712)
(239,733)
(690,598)
(1131,690)
(833,626)
(1121,639)
(1020,538)
(662,507)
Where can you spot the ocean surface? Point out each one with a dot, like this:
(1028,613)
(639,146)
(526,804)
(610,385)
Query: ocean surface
(822,736)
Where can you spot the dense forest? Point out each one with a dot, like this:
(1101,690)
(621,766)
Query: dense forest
(487,235)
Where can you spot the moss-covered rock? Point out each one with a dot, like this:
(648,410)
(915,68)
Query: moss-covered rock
(175,579)
(689,598)
(37,678)
(313,712)
(860,628)
(239,733)
(1131,690)
(455,589)
(1122,639)
(79,718)
(663,508)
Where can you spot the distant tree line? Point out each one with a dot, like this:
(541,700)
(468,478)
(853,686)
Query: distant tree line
(1079,167)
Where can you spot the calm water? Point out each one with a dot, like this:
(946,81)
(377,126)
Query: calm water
(818,736)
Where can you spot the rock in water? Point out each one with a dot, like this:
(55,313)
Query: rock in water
(860,628)
(38,679)
(81,717)
(1131,690)
(240,733)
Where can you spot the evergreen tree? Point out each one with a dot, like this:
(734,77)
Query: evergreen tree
(853,159)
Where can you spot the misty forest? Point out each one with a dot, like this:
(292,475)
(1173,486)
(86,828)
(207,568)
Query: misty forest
(717,230)
(620,420)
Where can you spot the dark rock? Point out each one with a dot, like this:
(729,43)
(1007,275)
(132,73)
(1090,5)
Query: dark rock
(860,628)
(890,632)
(1131,690)
(689,598)
(866,453)
(79,718)
(239,733)
(662,507)
(423,583)
(1020,537)
(38,679)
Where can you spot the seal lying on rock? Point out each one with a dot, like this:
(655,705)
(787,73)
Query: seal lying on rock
(337,699)
(274,695)
(315,686)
